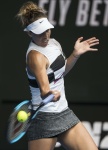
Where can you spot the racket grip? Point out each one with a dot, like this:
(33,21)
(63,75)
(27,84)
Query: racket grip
(48,99)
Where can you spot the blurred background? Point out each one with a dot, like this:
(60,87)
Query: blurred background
(87,83)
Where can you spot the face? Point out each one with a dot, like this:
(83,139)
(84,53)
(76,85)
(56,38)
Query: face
(41,39)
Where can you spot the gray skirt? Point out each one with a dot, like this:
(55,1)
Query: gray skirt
(47,125)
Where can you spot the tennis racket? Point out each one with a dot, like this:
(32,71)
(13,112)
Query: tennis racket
(16,130)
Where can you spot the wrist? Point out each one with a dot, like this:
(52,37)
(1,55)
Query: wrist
(75,56)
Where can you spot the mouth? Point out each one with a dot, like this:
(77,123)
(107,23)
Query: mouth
(45,40)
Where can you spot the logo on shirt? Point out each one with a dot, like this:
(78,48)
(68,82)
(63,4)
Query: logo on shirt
(41,21)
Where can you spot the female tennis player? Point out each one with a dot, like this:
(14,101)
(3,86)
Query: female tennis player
(46,68)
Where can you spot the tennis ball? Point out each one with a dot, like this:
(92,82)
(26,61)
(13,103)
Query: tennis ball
(22,116)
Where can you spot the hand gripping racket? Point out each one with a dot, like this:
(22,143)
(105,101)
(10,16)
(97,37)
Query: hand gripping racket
(16,130)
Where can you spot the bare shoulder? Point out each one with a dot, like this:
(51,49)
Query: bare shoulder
(35,56)
(36,60)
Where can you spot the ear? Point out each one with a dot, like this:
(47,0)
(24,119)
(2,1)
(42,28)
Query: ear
(29,33)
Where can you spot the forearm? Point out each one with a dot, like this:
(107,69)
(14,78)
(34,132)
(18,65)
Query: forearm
(71,60)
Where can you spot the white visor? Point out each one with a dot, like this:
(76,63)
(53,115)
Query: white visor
(39,26)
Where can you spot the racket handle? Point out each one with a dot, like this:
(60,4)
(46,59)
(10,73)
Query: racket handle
(48,99)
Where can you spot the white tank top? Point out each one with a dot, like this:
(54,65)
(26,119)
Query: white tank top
(53,53)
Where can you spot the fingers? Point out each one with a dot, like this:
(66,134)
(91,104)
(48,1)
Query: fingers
(90,39)
(56,95)
(93,44)
(93,49)
(79,39)
(93,40)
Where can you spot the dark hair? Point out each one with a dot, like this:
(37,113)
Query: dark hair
(30,12)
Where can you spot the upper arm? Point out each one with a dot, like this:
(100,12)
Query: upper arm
(37,64)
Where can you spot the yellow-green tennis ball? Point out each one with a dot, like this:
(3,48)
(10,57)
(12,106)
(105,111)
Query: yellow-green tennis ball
(22,116)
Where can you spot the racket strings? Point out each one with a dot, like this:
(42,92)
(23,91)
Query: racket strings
(15,127)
